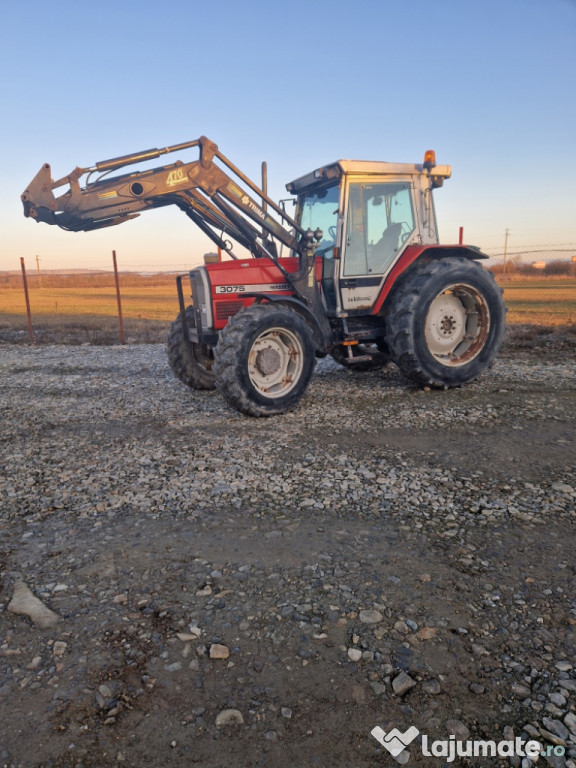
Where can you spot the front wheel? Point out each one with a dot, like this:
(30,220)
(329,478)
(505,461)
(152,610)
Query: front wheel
(446,322)
(264,360)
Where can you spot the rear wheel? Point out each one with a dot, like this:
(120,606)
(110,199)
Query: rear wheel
(264,360)
(446,322)
(191,363)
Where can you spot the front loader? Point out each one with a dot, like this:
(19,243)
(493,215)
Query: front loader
(357,272)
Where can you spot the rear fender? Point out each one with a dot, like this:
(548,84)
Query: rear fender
(419,253)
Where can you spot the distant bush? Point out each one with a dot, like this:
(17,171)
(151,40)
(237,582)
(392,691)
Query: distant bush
(527,269)
(560,268)
(557,268)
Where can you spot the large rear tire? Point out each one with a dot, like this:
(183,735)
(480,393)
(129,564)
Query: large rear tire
(191,363)
(264,360)
(446,322)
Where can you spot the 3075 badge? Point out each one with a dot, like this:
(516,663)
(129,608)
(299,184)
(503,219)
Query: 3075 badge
(261,288)
(230,288)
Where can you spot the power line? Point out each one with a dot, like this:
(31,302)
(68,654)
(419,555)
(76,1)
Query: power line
(529,253)
(541,246)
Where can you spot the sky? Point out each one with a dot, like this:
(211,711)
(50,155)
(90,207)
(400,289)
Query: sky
(490,85)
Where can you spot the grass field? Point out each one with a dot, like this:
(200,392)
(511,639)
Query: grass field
(154,302)
(88,312)
(540,301)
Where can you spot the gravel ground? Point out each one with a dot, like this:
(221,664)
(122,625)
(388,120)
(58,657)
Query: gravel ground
(217,590)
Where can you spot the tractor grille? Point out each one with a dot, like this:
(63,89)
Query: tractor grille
(225,309)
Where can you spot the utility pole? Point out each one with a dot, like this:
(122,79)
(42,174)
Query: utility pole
(38,270)
(505,251)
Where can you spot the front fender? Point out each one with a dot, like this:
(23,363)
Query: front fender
(298,306)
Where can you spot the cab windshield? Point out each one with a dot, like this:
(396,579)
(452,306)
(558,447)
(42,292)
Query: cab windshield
(319,210)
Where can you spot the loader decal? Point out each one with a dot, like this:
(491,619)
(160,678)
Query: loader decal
(253,207)
(176,177)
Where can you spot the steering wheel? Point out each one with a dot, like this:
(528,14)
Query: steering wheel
(405,232)
(332,234)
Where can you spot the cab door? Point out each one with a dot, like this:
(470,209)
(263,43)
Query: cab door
(379,224)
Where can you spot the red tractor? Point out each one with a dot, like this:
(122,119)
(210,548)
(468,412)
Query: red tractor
(357,272)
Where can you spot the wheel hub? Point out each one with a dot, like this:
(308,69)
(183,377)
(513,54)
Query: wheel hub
(268,361)
(275,362)
(447,325)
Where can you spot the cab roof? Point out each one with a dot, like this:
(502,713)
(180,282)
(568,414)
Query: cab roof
(339,168)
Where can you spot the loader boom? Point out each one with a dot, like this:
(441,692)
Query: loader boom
(219,203)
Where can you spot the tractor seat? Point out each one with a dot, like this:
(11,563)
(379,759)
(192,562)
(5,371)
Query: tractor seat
(386,248)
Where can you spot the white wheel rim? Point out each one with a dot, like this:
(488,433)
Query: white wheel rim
(457,325)
(275,362)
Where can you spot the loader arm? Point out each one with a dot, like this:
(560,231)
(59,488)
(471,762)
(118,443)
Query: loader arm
(218,198)
(220,203)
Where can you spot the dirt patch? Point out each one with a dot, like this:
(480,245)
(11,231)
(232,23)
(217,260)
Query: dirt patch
(380,556)
(541,341)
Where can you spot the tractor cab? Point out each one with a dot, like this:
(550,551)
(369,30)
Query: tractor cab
(369,213)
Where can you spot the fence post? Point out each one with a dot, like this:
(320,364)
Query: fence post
(120,321)
(28,312)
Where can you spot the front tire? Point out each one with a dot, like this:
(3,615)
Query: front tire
(446,323)
(191,363)
(264,360)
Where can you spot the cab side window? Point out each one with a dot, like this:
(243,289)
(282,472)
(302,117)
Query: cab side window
(379,221)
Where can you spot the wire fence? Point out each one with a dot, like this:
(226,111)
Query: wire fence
(94,307)
(112,307)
